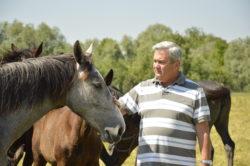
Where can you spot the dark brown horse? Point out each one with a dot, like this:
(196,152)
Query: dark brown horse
(17,55)
(219,102)
(31,88)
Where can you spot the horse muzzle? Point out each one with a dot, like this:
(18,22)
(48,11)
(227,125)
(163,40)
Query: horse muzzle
(113,134)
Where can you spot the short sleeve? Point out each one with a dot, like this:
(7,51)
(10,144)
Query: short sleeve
(130,100)
(201,109)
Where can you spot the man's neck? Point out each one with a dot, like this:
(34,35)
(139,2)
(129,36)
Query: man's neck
(170,81)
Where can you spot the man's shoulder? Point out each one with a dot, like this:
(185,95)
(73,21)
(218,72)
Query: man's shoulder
(190,84)
(147,82)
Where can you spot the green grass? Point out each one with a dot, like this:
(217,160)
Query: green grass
(239,129)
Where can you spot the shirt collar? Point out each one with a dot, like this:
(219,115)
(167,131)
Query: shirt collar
(179,81)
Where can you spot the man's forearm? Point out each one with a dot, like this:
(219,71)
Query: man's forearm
(205,147)
(202,130)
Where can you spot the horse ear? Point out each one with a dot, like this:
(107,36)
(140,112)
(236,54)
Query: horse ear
(90,50)
(78,52)
(13,47)
(109,77)
(39,50)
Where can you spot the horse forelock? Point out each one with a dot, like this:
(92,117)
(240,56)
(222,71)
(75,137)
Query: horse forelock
(32,81)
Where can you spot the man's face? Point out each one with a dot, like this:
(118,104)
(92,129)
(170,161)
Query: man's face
(163,69)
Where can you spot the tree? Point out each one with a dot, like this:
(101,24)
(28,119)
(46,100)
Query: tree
(207,62)
(26,36)
(237,61)
(128,47)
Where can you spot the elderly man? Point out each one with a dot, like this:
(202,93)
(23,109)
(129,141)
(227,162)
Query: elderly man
(173,112)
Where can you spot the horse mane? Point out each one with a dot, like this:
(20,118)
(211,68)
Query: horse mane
(214,90)
(117,93)
(33,80)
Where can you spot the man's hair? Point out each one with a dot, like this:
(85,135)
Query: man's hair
(173,49)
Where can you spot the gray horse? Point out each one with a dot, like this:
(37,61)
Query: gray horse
(31,88)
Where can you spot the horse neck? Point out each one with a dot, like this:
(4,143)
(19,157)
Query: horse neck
(13,125)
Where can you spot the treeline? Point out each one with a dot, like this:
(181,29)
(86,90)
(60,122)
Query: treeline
(205,56)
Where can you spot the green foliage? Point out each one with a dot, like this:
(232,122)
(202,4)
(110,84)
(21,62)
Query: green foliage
(26,36)
(205,56)
(128,47)
(207,62)
(237,62)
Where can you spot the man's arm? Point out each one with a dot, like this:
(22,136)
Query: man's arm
(203,135)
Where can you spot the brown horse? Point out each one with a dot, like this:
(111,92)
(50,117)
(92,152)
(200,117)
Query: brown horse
(31,88)
(219,101)
(61,137)
(64,138)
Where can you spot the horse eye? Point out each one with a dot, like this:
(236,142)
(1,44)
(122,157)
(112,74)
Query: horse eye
(97,84)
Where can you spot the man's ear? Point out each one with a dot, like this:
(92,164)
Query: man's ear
(177,64)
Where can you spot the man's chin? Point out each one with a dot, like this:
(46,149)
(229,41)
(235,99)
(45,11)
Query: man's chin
(158,76)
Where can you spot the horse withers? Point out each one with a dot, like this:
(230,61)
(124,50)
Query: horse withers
(31,88)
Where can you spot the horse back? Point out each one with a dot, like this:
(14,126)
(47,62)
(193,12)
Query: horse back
(214,90)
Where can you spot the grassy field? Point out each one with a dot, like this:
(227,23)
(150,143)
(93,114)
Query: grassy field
(239,128)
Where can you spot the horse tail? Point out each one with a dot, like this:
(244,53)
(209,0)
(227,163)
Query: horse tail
(226,106)
(225,99)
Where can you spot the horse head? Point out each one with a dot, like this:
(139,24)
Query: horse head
(17,55)
(91,98)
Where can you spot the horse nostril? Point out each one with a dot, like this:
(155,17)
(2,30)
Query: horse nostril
(114,134)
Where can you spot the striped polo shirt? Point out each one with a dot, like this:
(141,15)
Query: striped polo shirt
(168,117)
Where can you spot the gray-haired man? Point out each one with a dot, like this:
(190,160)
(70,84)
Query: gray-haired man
(173,112)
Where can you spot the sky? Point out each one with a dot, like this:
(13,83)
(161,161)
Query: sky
(82,19)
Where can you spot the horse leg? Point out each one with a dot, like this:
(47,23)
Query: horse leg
(229,144)
(93,163)
(39,161)
(61,163)
(221,126)
(38,158)
(28,158)
(105,157)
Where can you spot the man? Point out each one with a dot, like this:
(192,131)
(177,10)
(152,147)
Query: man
(173,112)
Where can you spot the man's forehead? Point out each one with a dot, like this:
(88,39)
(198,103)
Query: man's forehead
(161,53)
